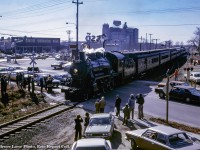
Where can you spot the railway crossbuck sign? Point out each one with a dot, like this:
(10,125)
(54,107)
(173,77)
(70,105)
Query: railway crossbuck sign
(32,60)
(165,88)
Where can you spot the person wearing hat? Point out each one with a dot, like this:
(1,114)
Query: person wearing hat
(126,114)
(131,104)
(78,127)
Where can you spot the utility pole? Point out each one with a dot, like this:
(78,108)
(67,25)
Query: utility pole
(77,4)
(146,41)
(140,43)
(150,40)
(156,42)
(167,97)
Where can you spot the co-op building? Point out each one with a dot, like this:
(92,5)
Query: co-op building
(38,45)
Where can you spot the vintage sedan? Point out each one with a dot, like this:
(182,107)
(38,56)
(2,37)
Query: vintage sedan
(194,77)
(62,77)
(58,65)
(13,74)
(92,144)
(183,93)
(37,77)
(161,85)
(100,125)
(161,138)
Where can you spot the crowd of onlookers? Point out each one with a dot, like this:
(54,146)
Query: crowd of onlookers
(23,83)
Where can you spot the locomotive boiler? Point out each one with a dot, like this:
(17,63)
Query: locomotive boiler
(91,74)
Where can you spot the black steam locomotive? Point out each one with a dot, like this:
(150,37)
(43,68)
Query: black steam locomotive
(98,72)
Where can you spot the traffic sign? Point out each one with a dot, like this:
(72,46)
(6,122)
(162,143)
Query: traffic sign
(165,88)
(32,60)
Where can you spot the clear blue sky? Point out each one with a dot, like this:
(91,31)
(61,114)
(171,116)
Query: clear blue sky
(174,20)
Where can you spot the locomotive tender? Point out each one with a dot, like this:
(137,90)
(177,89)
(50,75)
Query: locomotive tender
(97,72)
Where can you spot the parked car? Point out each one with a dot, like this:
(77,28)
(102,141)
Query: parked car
(194,76)
(62,77)
(92,144)
(40,56)
(100,125)
(161,85)
(185,93)
(37,77)
(161,138)
(13,74)
(31,69)
(58,65)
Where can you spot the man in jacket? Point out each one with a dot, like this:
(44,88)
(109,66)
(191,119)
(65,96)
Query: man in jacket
(140,101)
(117,105)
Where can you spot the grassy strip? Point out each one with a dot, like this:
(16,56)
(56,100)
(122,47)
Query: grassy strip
(176,125)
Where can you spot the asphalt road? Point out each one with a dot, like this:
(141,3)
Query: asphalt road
(179,112)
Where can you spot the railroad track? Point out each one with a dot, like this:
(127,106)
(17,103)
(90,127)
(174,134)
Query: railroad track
(29,120)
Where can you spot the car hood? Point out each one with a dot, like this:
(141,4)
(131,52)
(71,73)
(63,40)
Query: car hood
(136,132)
(98,129)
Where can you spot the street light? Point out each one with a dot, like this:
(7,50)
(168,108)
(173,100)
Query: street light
(76,55)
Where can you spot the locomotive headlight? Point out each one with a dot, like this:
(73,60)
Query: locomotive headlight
(75,70)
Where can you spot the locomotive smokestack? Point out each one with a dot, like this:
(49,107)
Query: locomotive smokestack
(82,56)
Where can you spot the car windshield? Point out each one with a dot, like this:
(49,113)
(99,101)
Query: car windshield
(178,140)
(91,148)
(99,121)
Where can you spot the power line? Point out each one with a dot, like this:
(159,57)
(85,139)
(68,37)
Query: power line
(35,7)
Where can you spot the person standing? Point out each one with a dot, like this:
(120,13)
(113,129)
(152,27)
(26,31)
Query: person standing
(102,104)
(29,82)
(117,105)
(126,114)
(131,104)
(33,85)
(17,79)
(97,106)
(87,119)
(41,84)
(176,74)
(140,101)
(78,127)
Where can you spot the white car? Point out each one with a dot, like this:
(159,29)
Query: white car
(100,126)
(92,144)
(194,76)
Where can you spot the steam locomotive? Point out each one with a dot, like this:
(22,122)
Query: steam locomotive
(98,72)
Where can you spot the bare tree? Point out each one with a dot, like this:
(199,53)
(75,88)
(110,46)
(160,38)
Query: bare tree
(195,41)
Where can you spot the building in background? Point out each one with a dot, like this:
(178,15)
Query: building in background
(38,45)
(120,37)
(5,44)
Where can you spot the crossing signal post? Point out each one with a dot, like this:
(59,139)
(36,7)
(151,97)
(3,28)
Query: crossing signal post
(33,62)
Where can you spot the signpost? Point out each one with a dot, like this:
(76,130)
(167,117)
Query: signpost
(167,96)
